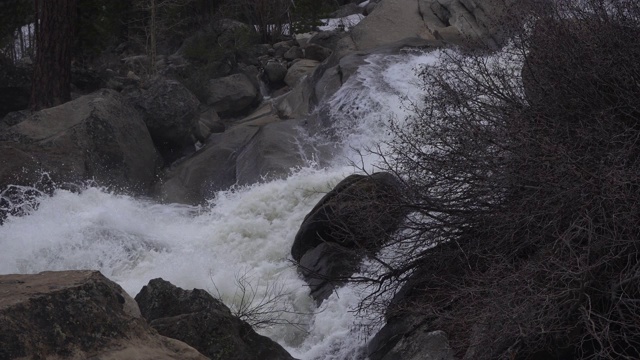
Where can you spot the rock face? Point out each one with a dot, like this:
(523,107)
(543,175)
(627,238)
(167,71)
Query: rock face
(352,220)
(195,317)
(233,95)
(77,315)
(97,136)
(170,111)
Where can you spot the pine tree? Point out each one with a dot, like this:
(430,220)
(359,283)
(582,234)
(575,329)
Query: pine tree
(51,83)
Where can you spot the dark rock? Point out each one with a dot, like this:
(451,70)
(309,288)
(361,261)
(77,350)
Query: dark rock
(350,222)
(170,112)
(359,213)
(97,136)
(410,338)
(316,52)
(77,315)
(326,267)
(275,72)
(196,318)
(233,95)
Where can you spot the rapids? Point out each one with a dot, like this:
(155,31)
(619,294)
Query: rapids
(243,237)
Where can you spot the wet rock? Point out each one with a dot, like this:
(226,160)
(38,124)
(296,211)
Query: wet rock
(97,136)
(170,112)
(260,148)
(273,152)
(77,315)
(299,70)
(351,221)
(233,95)
(196,318)
(326,267)
(210,169)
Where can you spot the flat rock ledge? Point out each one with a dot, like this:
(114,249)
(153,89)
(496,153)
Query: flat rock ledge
(77,315)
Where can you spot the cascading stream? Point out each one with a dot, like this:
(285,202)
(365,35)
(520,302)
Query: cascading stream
(245,234)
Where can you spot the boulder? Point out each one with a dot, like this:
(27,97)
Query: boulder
(295,52)
(328,39)
(275,72)
(97,136)
(350,222)
(77,315)
(210,169)
(260,148)
(392,21)
(273,152)
(198,319)
(299,70)
(463,22)
(232,95)
(316,52)
(295,103)
(170,111)
(326,267)
(368,9)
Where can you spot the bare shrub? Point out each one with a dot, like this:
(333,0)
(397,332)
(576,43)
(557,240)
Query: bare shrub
(522,174)
(261,304)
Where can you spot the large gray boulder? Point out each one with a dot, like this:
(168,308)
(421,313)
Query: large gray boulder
(210,169)
(392,21)
(275,73)
(352,221)
(170,111)
(274,151)
(77,315)
(95,137)
(233,95)
(245,154)
(464,22)
(198,319)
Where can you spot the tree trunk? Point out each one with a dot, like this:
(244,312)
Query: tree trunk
(51,83)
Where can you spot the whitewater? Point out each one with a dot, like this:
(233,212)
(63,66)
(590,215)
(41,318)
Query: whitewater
(244,235)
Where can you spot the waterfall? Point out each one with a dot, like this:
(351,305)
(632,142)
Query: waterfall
(244,234)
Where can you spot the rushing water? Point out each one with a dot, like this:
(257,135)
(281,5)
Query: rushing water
(242,238)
